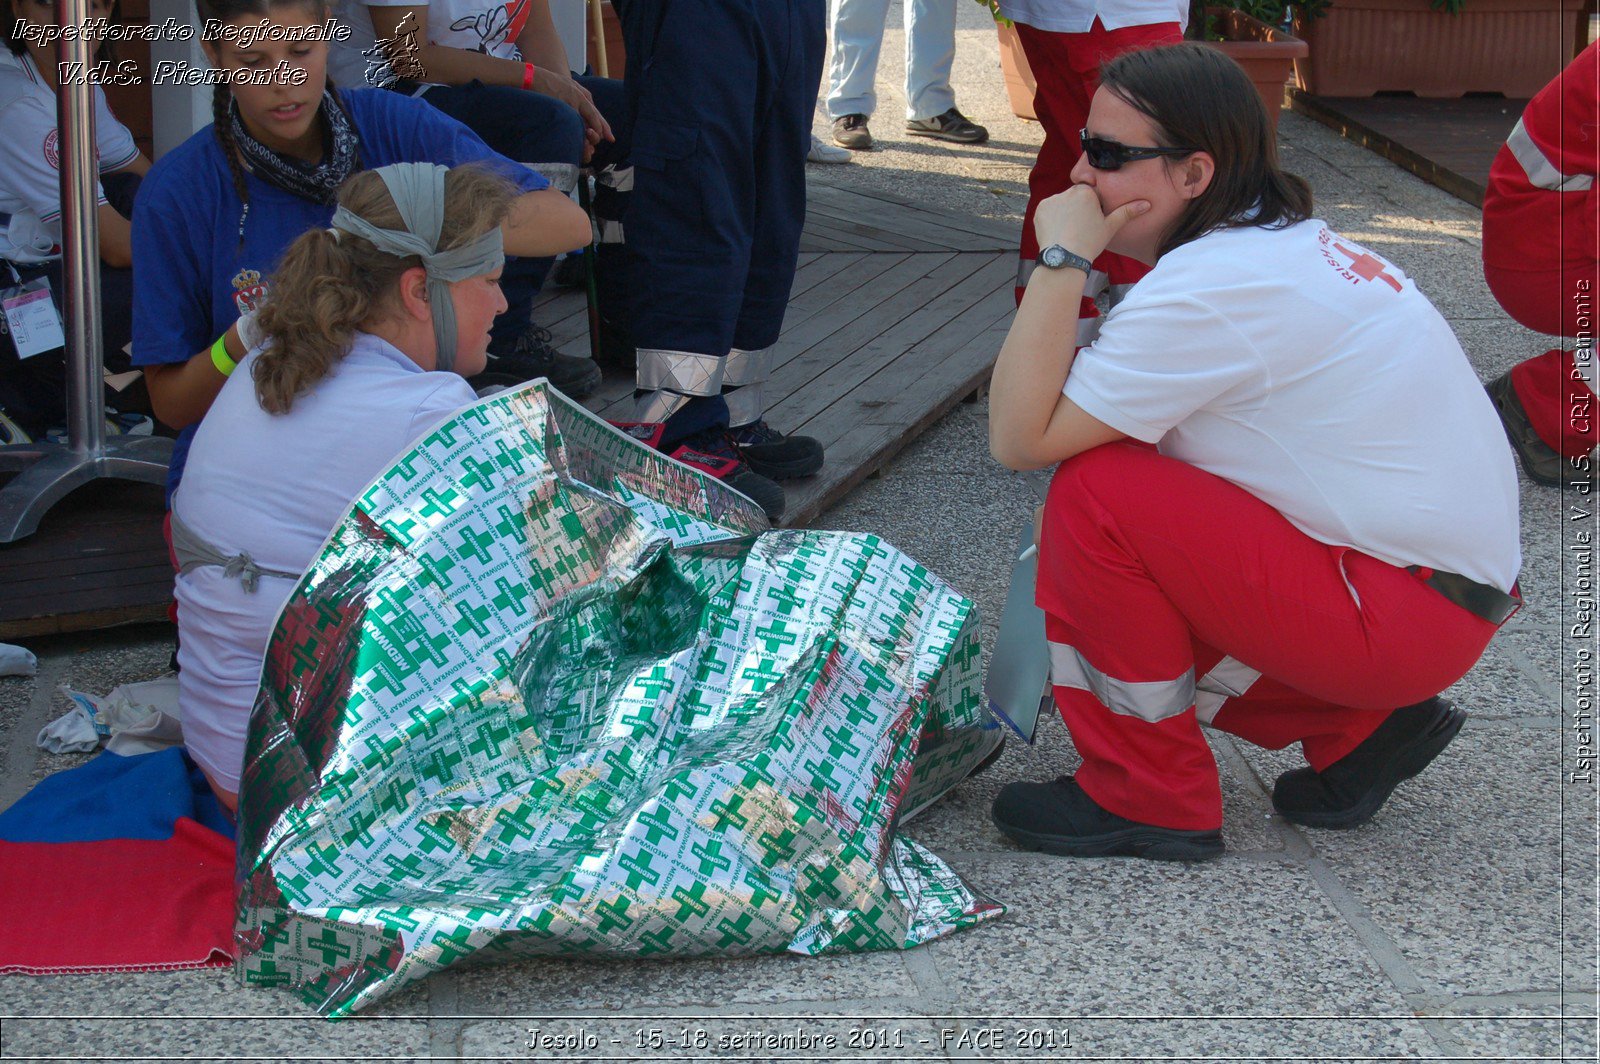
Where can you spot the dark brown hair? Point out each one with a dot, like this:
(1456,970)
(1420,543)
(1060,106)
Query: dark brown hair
(226,11)
(327,286)
(1202,100)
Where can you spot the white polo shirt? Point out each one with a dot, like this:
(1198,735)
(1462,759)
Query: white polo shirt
(1313,374)
(30,163)
(275,485)
(1077,16)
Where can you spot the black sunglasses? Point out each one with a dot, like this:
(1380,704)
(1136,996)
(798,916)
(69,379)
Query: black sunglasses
(1110,155)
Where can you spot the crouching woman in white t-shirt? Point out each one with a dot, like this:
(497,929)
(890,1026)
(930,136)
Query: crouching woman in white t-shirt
(369,330)
(1326,527)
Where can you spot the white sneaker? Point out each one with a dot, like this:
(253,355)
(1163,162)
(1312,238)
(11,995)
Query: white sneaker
(826,153)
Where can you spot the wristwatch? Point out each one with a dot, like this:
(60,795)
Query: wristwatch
(1056,257)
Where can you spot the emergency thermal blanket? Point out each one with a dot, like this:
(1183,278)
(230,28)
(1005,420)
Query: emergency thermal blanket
(546,691)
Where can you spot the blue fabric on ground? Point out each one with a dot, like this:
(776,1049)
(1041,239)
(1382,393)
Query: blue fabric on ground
(113,797)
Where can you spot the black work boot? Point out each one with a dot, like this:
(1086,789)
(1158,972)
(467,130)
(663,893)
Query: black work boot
(1349,791)
(532,356)
(1059,818)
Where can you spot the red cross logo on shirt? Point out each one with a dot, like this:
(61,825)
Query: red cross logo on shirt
(1368,267)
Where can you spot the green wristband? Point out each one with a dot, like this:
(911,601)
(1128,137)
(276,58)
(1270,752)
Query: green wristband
(220,358)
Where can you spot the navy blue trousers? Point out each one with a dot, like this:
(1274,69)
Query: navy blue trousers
(720,99)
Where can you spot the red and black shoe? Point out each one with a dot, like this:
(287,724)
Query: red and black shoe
(714,452)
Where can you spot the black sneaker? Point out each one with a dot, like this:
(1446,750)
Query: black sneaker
(713,451)
(1349,791)
(952,125)
(1059,818)
(850,131)
(1543,463)
(772,454)
(532,356)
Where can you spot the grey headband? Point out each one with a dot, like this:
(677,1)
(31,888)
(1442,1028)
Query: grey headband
(418,191)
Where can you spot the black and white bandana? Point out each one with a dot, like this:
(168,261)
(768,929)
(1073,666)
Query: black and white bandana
(318,181)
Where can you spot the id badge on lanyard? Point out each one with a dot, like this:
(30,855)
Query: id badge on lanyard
(29,317)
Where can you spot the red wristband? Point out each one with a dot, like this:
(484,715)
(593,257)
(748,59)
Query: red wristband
(527,75)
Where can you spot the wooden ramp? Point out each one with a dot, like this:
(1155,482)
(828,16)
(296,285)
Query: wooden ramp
(896,315)
(1448,143)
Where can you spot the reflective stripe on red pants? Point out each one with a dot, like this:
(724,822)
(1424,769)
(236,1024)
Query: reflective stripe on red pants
(1164,586)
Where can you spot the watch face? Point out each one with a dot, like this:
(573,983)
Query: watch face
(1054,256)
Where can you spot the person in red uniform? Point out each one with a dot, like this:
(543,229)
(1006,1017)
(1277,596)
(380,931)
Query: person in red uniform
(1541,240)
(1284,506)
(1066,41)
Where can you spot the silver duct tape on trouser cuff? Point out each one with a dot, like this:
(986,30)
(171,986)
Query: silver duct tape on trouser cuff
(1229,678)
(745,405)
(616,178)
(1118,292)
(1153,701)
(611,232)
(563,177)
(747,367)
(680,371)
(658,406)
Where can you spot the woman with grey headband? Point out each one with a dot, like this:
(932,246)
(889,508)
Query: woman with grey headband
(369,330)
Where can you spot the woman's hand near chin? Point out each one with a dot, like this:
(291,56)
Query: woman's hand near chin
(1075,220)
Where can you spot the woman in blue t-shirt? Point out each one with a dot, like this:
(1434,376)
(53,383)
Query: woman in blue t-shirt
(215,214)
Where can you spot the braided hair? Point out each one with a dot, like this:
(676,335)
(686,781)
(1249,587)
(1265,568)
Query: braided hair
(225,11)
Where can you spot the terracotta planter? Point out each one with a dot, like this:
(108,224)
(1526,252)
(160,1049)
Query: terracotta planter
(616,54)
(1020,85)
(1513,47)
(1268,55)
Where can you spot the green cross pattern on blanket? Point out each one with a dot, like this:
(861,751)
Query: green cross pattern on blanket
(546,691)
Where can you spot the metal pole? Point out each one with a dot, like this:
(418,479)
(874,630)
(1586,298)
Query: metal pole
(46,472)
(80,239)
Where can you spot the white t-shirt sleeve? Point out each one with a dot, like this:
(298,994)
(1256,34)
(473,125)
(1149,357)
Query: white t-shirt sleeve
(114,141)
(443,402)
(26,150)
(1156,362)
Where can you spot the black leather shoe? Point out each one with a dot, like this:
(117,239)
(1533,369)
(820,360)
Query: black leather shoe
(532,356)
(1348,792)
(1059,818)
(1543,463)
